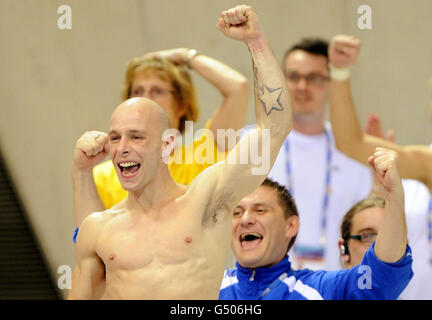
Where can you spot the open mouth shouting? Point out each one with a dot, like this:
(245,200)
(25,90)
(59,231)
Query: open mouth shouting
(250,240)
(129,169)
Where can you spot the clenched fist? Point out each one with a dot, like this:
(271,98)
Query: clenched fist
(343,51)
(90,149)
(384,162)
(240,23)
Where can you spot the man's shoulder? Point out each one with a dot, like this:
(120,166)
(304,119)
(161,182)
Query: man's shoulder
(98,219)
(314,284)
(89,230)
(92,221)
(311,276)
(229,278)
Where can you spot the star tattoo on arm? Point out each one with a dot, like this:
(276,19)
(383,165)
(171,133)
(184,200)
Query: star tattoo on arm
(270,99)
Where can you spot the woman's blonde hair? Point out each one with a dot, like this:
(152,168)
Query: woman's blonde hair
(178,76)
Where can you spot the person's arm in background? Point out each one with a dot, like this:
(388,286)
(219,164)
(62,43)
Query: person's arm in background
(374,128)
(233,86)
(391,242)
(415,161)
(386,267)
(90,149)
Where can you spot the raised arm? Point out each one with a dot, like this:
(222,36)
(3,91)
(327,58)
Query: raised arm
(90,149)
(88,280)
(237,177)
(391,240)
(386,268)
(231,84)
(415,161)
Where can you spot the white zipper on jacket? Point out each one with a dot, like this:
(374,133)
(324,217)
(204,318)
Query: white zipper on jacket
(252,278)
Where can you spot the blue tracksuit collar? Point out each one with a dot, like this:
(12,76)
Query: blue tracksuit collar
(258,279)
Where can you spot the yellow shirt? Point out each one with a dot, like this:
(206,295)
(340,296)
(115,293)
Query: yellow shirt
(185,164)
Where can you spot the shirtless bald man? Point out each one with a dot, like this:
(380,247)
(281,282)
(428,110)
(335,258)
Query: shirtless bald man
(165,240)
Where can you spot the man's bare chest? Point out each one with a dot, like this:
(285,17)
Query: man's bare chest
(131,243)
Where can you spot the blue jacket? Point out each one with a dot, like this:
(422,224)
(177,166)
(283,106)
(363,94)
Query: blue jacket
(372,279)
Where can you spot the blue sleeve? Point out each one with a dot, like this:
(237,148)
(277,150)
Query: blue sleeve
(374,279)
(75,235)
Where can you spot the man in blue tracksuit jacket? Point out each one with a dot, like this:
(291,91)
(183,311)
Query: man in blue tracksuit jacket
(387,281)
(265,224)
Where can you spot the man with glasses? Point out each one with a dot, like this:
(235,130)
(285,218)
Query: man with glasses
(264,227)
(359,229)
(323,181)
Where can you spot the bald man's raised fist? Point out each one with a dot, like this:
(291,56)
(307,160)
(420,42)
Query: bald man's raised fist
(90,149)
(240,23)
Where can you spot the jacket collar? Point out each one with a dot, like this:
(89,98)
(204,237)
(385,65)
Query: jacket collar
(262,277)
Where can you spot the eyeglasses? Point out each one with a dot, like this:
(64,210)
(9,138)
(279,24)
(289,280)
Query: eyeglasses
(366,237)
(315,79)
(154,92)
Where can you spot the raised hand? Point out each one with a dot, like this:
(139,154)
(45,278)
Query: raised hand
(240,23)
(178,56)
(343,51)
(90,149)
(391,241)
(384,162)
(373,128)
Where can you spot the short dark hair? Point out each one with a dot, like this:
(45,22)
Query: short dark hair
(316,46)
(371,202)
(286,201)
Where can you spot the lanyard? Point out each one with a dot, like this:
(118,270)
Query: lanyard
(327,182)
(274,284)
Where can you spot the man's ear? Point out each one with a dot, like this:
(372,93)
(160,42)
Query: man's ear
(168,144)
(292,226)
